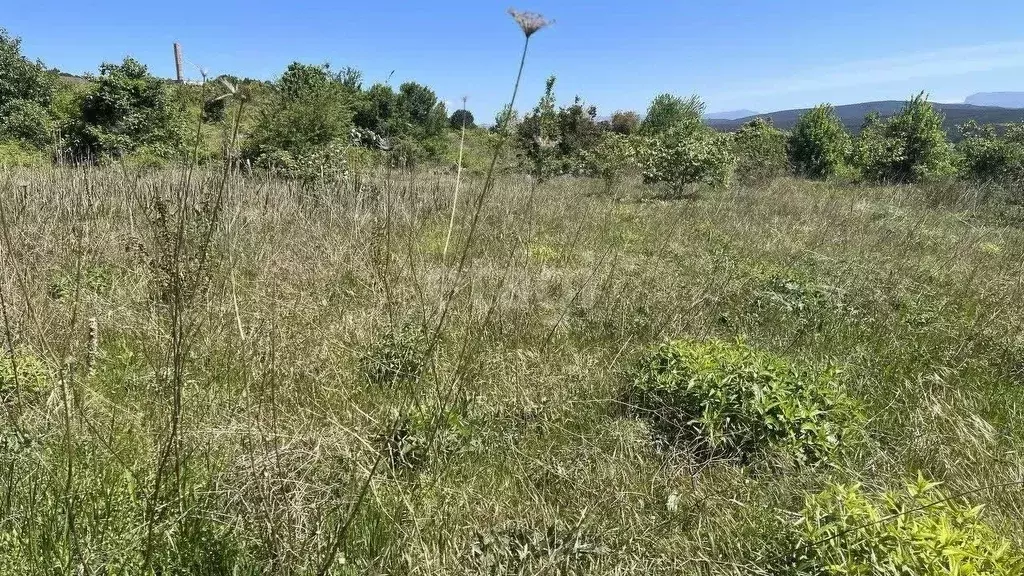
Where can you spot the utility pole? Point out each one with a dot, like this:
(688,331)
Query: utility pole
(177,63)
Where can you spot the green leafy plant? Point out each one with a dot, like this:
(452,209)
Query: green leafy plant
(667,111)
(819,144)
(23,372)
(727,399)
(908,147)
(760,150)
(624,122)
(687,155)
(986,157)
(460,118)
(397,357)
(843,531)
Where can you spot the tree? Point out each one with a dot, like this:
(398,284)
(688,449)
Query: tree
(760,150)
(667,110)
(306,123)
(985,157)
(461,118)
(127,109)
(907,147)
(685,155)
(20,78)
(625,122)
(819,144)
(26,91)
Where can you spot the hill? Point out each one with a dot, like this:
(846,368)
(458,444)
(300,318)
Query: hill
(1000,99)
(730,115)
(853,115)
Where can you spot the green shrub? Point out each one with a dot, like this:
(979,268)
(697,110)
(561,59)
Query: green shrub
(461,118)
(984,157)
(24,372)
(608,160)
(687,155)
(843,532)
(127,109)
(27,121)
(760,150)
(667,111)
(819,144)
(396,358)
(908,147)
(20,78)
(624,122)
(20,154)
(727,399)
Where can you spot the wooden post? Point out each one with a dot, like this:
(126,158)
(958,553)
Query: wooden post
(177,63)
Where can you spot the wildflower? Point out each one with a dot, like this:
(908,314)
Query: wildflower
(529,22)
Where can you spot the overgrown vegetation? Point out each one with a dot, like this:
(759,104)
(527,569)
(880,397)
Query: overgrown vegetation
(392,369)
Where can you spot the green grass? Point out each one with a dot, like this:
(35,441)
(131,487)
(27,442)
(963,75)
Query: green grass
(225,423)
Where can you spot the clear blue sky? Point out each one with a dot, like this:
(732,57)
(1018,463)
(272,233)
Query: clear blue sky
(757,54)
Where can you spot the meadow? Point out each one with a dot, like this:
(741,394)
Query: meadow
(213,373)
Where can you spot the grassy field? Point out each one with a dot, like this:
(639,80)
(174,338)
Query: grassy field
(237,376)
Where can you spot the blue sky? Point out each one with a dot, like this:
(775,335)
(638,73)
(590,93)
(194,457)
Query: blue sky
(757,54)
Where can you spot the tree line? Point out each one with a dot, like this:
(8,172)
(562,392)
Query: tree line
(314,120)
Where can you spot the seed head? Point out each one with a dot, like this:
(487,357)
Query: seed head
(529,22)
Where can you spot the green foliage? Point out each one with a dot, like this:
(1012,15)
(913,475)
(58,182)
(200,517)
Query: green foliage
(842,531)
(461,118)
(908,147)
(731,400)
(396,358)
(668,111)
(687,155)
(411,122)
(609,159)
(128,108)
(819,144)
(988,158)
(304,124)
(22,372)
(20,78)
(760,150)
(537,135)
(27,121)
(624,122)
(19,154)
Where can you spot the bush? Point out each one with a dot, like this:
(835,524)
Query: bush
(760,150)
(624,122)
(668,111)
(909,147)
(396,358)
(19,154)
(26,121)
(461,118)
(844,532)
(127,109)
(730,400)
(819,144)
(613,155)
(23,372)
(685,155)
(987,158)
(310,112)
(20,78)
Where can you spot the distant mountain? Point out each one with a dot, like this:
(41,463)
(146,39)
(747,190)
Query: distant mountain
(853,115)
(1000,99)
(730,115)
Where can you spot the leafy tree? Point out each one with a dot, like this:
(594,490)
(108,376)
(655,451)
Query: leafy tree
(377,110)
(461,118)
(26,90)
(577,129)
(20,78)
(686,155)
(819,144)
(985,157)
(127,109)
(612,156)
(907,147)
(760,150)
(538,134)
(309,112)
(624,122)
(666,111)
